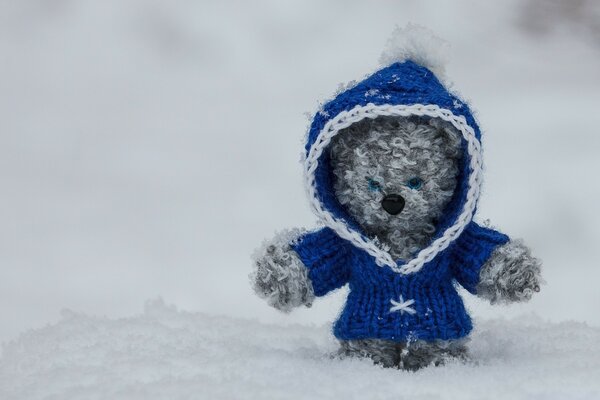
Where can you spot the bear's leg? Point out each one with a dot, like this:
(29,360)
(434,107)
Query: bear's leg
(419,354)
(383,352)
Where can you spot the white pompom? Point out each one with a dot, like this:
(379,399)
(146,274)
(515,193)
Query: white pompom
(418,44)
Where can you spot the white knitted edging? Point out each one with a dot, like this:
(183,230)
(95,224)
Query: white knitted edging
(358,113)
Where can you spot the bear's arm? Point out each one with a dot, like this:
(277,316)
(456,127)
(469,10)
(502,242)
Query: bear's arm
(325,255)
(470,252)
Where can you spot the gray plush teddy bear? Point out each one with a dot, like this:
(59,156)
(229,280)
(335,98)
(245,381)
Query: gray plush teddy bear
(393,171)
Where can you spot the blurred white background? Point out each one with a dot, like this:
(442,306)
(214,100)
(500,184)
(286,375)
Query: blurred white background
(147,147)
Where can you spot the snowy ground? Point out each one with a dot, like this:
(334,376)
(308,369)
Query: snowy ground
(169,354)
(147,147)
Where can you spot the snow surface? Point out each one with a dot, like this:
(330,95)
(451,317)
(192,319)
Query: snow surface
(169,354)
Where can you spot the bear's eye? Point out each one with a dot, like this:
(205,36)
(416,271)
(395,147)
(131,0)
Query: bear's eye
(415,183)
(374,186)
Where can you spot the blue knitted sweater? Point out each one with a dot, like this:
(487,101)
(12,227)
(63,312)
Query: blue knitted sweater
(384,304)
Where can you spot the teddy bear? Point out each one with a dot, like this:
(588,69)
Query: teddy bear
(393,171)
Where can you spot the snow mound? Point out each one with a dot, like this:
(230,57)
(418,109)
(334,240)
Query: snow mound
(418,44)
(169,354)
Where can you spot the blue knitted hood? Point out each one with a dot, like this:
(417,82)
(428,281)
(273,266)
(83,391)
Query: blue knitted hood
(400,89)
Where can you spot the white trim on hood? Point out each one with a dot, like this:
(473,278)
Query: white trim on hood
(358,113)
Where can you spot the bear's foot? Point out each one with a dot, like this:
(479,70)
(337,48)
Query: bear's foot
(420,354)
(382,352)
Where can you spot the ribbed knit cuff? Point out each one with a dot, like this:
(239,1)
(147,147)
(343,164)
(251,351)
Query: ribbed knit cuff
(470,252)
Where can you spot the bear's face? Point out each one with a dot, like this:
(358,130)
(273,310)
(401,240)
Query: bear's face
(395,176)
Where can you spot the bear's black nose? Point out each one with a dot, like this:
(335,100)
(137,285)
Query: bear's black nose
(393,203)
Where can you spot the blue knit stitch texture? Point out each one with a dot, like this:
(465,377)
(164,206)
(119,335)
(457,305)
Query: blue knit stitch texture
(436,311)
(440,314)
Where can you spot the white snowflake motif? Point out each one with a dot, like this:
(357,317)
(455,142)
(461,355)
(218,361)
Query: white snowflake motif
(456,104)
(403,306)
(371,92)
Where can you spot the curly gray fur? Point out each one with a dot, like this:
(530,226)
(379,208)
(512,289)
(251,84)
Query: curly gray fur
(409,356)
(510,274)
(391,151)
(279,275)
(382,352)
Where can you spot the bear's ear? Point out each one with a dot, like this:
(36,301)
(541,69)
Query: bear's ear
(420,45)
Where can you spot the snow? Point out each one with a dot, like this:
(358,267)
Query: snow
(169,354)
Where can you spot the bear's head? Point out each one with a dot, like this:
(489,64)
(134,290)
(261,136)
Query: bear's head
(395,176)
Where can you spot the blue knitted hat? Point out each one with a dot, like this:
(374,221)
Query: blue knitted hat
(404,88)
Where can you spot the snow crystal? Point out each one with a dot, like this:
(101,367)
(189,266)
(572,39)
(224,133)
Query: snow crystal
(169,354)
